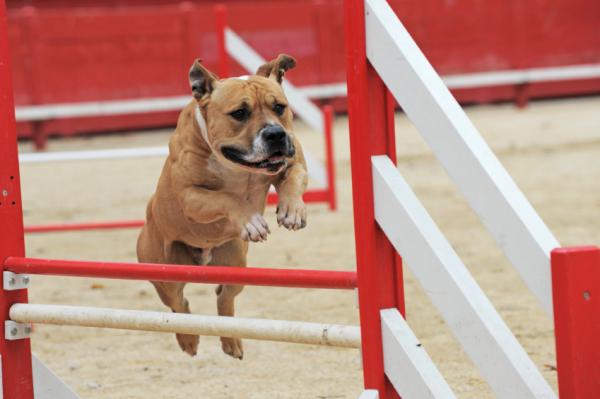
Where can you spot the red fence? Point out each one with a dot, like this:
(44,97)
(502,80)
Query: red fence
(69,51)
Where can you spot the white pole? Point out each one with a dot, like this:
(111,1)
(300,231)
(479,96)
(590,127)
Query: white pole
(235,327)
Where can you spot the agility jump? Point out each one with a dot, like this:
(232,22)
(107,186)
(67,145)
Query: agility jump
(389,219)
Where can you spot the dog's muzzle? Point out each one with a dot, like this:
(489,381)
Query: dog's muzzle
(277,141)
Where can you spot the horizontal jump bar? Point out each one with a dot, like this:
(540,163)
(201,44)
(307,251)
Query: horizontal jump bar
(182,323)
(189,274)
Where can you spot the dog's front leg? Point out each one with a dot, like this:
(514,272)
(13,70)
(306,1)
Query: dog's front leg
(291,211)
(205,206)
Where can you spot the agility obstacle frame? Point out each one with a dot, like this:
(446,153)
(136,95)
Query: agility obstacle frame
(389,219)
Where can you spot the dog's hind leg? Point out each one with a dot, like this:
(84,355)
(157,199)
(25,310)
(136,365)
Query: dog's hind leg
(232,253)
(151,248)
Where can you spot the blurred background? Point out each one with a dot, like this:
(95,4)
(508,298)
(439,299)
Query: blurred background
(66,51)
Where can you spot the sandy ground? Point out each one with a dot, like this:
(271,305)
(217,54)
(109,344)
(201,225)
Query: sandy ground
(551,148)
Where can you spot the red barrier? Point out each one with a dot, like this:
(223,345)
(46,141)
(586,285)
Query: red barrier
(192,274)
(576,298)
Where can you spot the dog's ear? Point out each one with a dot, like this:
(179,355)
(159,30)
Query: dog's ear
(275,69)
(202,80)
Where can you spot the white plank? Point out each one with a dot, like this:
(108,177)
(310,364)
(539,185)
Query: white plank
(407,365)
(488,188)
(183,323)
(369,394)
(521,76)
(46,385)
(468,312)
(251,60)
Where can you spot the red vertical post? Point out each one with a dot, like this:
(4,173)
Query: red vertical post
(371,133)
(329,156)
(576,299)
(223,68)
(17,379)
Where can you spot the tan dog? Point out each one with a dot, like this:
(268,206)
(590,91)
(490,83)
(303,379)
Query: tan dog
(232,142)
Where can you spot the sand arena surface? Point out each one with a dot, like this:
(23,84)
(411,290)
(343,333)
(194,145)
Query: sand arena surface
(552,150)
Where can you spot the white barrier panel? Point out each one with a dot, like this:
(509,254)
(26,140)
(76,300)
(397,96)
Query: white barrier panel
(468,312)
(407,364)
(182,323)
(488,188)
(251,60)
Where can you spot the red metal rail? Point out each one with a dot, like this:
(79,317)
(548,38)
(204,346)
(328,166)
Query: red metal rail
(117,224)
(192,274)
(576,298)
(17,379)
(371,133)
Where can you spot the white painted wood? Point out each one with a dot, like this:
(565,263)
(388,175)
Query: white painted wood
(468,312)
(521,76)
(46,385)
(369,394)
(488,188)
(236,327)
(245,55)
(407,365)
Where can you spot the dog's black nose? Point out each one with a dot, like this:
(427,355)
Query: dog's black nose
(273,134)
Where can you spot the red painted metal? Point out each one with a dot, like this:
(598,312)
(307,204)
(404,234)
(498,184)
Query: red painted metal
(329,156)
(295,278)
(17,379)
(576,298)
(118,224)
(371,133)
(223,69)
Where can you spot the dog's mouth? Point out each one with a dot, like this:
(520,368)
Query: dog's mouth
(272,163)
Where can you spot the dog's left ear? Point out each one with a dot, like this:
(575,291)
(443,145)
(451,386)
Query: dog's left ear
(202,80)
(275,69)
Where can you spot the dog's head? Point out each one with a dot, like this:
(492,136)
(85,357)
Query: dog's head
(247,121)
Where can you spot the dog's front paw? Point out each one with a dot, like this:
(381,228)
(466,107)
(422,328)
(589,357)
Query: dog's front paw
(256,229)
(188,343)
(291,214)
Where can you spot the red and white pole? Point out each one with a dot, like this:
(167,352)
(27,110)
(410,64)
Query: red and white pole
(17,381)
(371,133)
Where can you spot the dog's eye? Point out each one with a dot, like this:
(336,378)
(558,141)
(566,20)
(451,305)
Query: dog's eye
(279,109)
(240,114)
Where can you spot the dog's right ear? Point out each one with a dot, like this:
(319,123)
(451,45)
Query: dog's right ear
(202,80)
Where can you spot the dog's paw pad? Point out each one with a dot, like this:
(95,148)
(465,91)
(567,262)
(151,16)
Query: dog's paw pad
(256,229)
(188,343)
(232,347)
(292,215)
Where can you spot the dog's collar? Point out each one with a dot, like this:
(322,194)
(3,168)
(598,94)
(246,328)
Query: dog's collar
(202,125)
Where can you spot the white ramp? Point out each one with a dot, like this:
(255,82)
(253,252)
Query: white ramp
(46,385)
(488,188)
(468,312)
